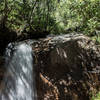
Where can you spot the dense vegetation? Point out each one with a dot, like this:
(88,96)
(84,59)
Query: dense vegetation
(97,97)
(51,16)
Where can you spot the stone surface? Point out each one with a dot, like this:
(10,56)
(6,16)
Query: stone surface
(6,36)
(68,65)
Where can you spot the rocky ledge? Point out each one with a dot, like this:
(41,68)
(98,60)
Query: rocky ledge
(68,67)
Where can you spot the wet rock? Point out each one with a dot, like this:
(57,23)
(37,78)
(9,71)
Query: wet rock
(67,67)
(2,70)
(70,65)
(6,36)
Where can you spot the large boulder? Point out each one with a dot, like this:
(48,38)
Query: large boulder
(68,67)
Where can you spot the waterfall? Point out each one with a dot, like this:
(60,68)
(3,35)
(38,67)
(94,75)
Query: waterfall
(19,80)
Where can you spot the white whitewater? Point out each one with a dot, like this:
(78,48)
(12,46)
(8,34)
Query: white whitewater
(19,80)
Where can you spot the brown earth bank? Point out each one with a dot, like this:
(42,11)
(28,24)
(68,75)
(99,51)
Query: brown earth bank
(67,67)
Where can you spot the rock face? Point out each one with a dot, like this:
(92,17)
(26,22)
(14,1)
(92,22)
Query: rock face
(68,67)
(6,36)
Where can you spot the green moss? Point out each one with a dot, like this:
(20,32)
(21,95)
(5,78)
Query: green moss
(97,97)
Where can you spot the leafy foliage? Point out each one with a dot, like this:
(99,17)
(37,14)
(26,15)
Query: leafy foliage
(97,97)
(53,16)
(81,15)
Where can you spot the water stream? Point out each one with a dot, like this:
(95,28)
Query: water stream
(19,80)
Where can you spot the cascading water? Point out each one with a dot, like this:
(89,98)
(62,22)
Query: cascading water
(19,80)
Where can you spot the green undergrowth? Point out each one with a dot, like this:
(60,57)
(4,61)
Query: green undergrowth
(96,97)
(95,38)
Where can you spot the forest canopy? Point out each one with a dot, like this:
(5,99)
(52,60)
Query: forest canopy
(52,16)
